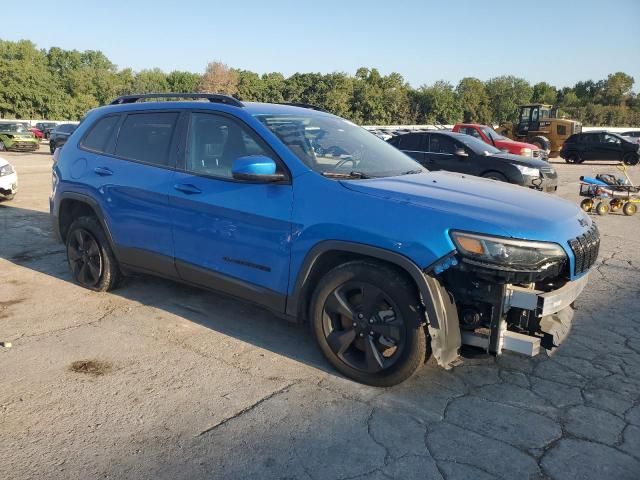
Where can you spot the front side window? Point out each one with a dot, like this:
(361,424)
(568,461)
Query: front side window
(608,138)
(442,144)
(470,131)
(490,133)
(98,137)
(215,141)
(335,147)
(146,137)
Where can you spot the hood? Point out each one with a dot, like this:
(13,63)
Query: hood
(520,160)
(514,143)
(481,205)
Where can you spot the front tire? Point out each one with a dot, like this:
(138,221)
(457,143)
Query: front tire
(366,319)
(631,159)
(495,176)
(91,260)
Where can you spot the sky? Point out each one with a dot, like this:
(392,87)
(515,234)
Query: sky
(560,42)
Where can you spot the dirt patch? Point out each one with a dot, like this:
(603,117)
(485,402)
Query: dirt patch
(10,303)
(91,367)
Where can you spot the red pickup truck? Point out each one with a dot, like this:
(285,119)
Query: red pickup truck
(488,135)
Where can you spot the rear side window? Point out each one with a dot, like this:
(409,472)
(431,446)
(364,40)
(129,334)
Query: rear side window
(146,137)
(411,141)
(98,137)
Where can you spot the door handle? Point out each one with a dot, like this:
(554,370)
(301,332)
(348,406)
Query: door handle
(103,171)
(187,188)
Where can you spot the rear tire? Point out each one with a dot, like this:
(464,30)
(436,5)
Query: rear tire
(629,209)
(573,157)
(366,320)
(91,260)
(631,159)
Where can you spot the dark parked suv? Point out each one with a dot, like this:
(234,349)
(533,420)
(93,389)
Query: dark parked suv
(60,134)
(599,145)
(457,152)
(314,218)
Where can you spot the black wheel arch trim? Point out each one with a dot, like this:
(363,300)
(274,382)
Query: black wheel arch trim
(296,300)
(95,206)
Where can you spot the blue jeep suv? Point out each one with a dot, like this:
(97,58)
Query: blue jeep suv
(314,218)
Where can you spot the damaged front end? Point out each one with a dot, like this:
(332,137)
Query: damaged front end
(504,294)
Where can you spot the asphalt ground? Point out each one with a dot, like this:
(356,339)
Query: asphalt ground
(161,380)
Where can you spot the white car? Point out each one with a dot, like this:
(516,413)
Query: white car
(8,180)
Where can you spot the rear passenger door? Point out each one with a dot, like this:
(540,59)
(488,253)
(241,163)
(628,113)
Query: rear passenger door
(131,159)
(414,145)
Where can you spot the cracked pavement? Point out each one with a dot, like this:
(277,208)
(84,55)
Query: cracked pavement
(204,386)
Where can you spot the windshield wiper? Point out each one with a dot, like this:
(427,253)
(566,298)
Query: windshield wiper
(352,174)
(412,172)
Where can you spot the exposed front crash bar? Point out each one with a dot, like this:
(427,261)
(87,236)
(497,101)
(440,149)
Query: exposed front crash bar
(545,303)
(552,308)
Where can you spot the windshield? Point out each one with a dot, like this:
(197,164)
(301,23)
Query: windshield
(14,127)
(335,147)
(477,146)
(489,132)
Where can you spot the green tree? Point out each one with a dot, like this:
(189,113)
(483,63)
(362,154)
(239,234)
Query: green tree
(617,88)
(150,81)
(439,103)
(178,81)
(474,101)
(505,94)
(544,93)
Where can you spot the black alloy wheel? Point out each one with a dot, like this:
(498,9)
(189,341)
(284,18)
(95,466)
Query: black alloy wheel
(367,320)
(85,258)
(363,327)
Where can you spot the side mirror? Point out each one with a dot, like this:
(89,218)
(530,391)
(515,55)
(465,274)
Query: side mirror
(256,168)
(460,152)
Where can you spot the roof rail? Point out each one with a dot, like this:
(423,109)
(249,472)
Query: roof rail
(305,105)
(212,97)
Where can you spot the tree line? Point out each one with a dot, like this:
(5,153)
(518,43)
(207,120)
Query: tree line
(64,84)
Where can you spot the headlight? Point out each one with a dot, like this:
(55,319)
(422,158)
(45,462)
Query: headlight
(506,253)
(6,170)
(526,152)
(529,171)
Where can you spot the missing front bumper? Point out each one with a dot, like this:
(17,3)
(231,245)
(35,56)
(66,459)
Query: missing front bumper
(553,309)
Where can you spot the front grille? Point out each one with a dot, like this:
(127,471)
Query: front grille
(585,249)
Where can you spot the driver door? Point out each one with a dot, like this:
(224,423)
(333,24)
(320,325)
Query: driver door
(230,235)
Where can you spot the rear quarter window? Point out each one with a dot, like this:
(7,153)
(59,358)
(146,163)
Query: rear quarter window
(99,135)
